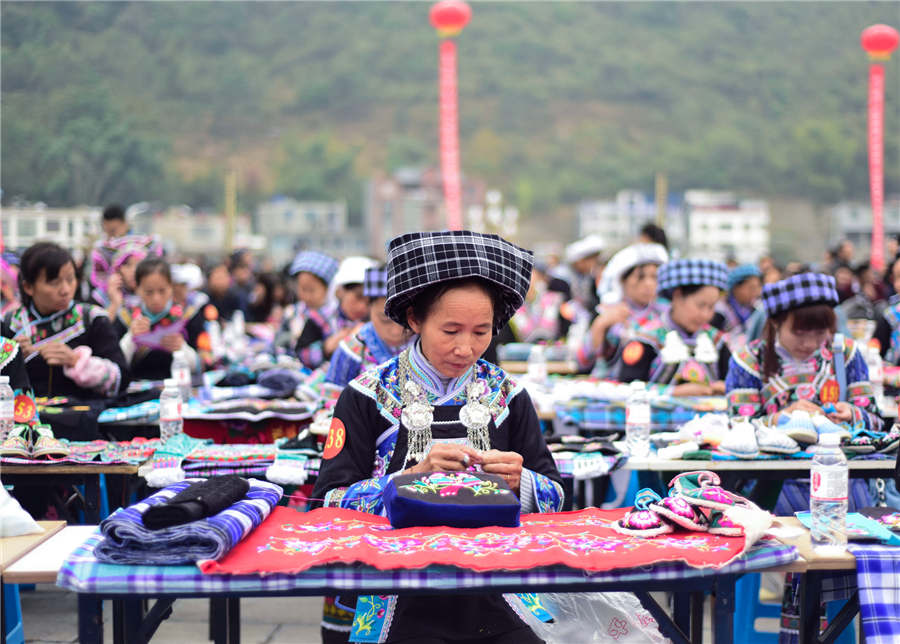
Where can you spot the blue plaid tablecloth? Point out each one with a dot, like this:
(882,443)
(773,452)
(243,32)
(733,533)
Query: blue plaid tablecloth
(83,573)
(878,579)
(606,415)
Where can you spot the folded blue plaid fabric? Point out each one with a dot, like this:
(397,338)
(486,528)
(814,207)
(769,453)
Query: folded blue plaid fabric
(127,541)
(878,578)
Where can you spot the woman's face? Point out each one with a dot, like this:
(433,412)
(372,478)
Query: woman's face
(801,344)
(155,292)
(311,290)
(354,304)
(126,270)
(748,291)
(693,312)
(50,296)
(457,329)
(895,276)
(179,293)
(393,334)
(640,284)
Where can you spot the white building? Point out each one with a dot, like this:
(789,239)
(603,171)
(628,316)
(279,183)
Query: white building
(72,228)
(290,225)
(853,221)
(618,221)
(720,226)
(196,233)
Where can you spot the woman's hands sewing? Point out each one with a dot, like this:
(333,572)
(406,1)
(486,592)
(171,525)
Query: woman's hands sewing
(449,457)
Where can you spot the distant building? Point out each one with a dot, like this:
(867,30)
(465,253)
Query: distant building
(409,200)
(290,225)
(853,221)
(720,226)
(72,228)
(195,233)
(618,221)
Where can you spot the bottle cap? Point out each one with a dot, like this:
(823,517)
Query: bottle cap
(4,380)
(170,382)
(638,385)
(830,439)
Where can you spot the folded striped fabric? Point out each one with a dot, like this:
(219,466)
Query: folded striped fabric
(127,541)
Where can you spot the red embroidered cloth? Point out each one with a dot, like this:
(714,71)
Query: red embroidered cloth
(290,541)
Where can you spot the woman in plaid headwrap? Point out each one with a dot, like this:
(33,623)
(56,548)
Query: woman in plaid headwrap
(740,304)
(439,407)
(679,347)
(797,365)
(379,340)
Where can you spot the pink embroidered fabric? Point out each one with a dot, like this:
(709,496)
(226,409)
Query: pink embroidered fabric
(290,541)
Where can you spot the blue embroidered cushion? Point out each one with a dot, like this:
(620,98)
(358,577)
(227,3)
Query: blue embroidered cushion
(455,499)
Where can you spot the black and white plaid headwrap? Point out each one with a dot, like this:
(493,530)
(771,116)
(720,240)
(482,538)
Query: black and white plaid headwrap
(691,272)
(416,261)
(319,264)
(375,283)
(799,290)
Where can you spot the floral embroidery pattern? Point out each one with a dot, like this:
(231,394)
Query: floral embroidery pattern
(292,541)
(452,483)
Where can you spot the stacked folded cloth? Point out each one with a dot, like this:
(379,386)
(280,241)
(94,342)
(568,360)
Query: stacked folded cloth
(584,458)
(697,503)
(187,522)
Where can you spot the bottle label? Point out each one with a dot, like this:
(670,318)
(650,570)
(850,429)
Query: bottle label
(182,376)
(169,410)
(828,484)
(637,415)
(7,409)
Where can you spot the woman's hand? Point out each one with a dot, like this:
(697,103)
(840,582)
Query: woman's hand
(609,316)
(693,389)
(718,388)
(332,341)
(803,405)
(842,412)
(172,342)
(448,457)
(506,464)
(140,325)
(25,345)
(58,354)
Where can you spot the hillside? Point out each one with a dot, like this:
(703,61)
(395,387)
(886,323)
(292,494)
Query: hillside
(558,102)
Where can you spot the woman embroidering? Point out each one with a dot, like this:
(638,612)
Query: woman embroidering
(438,407)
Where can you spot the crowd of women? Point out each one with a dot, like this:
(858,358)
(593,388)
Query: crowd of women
(414,342)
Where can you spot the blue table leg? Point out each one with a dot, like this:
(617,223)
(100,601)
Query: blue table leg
(723,609)
(90,619)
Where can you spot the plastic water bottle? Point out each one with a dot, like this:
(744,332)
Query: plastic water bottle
(537,364)
(7,407)
(181,374)
(637,421)
(170,422)
(828,484)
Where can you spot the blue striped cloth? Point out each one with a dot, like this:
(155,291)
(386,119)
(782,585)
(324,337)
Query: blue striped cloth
(82,572)
(127,541)
(878,579)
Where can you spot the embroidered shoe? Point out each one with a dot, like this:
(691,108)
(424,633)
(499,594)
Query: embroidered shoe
(687,481)
(681,513)
(708,428)
(799,426)
(775,441)
(45,444)
(642,521)
(888,442)
(825,425)
(16,443)
(722,525)
(717,498)
(859,444)
(740,441)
